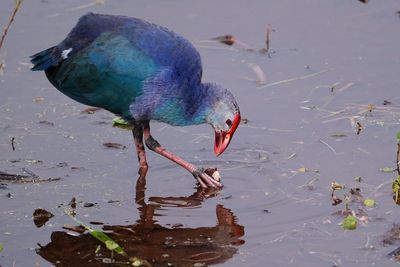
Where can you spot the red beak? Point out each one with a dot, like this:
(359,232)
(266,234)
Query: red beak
(222,138)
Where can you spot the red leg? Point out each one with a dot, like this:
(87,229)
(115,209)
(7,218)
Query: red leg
(204,179)
(141,153)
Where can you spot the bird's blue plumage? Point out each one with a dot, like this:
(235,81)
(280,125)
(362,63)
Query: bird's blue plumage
(132,68)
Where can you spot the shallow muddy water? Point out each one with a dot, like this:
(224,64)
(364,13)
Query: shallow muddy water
(329,63)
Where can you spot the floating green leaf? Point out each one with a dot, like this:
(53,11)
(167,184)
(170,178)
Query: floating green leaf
(1,247)
(101,236)
(387,169)
(370,203)
(97,249)
(398,136)
(110,244)
(123,124)
(350,222)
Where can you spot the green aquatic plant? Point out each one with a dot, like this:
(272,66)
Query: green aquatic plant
(396,190)
(370,203)
(121,123)
(350,222)
(101,236)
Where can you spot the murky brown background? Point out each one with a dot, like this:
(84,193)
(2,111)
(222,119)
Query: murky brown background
(270,212)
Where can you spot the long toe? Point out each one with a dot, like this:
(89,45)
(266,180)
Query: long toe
(209,181)
(201,183)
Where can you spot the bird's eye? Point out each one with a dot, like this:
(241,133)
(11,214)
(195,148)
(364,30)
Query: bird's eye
(229,123)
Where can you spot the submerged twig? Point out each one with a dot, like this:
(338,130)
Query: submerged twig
(5,31)
(267,41)
(13,143)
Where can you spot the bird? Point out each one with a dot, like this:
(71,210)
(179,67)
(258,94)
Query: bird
(141,72)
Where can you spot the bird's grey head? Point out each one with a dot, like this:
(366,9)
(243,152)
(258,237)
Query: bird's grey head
(224,116)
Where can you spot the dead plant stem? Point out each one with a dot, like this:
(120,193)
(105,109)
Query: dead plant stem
(16,8)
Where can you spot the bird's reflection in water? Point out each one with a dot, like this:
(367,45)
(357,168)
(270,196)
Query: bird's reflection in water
(148,240)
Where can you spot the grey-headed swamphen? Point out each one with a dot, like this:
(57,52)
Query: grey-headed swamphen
(141,72)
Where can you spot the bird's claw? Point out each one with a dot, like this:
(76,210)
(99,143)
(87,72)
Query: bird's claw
(203,176)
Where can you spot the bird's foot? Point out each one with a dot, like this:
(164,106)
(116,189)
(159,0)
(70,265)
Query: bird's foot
(207,177)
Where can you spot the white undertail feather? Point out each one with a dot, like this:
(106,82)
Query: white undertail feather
(65,53)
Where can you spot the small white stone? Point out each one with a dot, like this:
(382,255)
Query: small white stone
(216,176)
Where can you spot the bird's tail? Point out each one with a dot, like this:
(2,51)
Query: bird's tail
(43,60)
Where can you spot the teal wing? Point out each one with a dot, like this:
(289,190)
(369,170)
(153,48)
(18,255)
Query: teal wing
(108,73)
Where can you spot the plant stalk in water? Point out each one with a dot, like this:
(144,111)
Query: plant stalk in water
(16,8)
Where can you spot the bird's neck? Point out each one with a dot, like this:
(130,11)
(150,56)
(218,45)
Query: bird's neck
(197,105)
(202,103)
(178,105)
(193,107)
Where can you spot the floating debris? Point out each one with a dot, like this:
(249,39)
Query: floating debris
(13,143)
(48,123)
(88,204)
(387,169)
(41,216)
(22,179)
(91,110)
(335,199)
(350,223)
(227,39)
(339,135)
(370,203)
(114,145)
(396,190)
(359,127)
(337,186)
(74,228)
(371,107)
(267,41)
(302,170)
